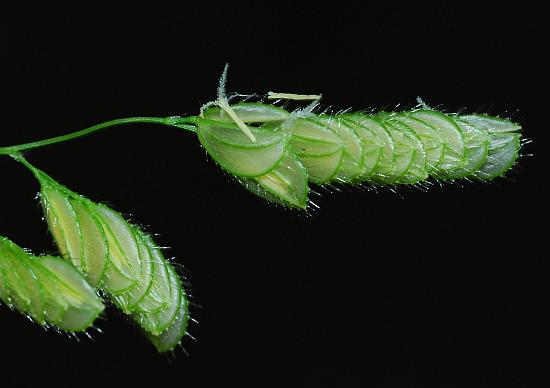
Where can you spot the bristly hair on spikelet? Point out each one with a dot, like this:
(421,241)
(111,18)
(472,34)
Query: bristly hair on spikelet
(280,146)
(277,153)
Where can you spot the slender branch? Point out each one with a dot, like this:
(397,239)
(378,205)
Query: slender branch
(176,121)
(21,159)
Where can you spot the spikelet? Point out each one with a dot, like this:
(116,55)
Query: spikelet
(49,290)
(384,148)
(119,259)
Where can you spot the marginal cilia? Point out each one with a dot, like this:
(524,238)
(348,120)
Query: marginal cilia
(273,152)
(100,251)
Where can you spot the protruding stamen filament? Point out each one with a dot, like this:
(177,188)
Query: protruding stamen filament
(224,104)
(292,96)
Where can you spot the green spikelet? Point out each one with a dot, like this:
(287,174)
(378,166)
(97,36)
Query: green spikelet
(49,290)
(385,148)
(119,259)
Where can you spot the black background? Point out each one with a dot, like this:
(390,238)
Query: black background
(445,288)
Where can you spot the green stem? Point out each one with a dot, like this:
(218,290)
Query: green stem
(21,159)
(176,121)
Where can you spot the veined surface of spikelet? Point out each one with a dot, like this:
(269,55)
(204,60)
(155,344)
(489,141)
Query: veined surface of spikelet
(48,290)
(120,259)
(293,149)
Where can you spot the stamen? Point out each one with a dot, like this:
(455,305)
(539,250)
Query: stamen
(292,96)
(224,104)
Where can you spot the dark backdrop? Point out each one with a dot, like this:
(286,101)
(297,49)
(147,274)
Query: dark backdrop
(445,288)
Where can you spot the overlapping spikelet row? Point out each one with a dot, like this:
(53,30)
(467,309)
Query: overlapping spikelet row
(290,149)
(100,251)
(120,259)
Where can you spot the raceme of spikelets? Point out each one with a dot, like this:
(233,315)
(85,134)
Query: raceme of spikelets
(119,259)
(273,152)
(285,151)
(48,290)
